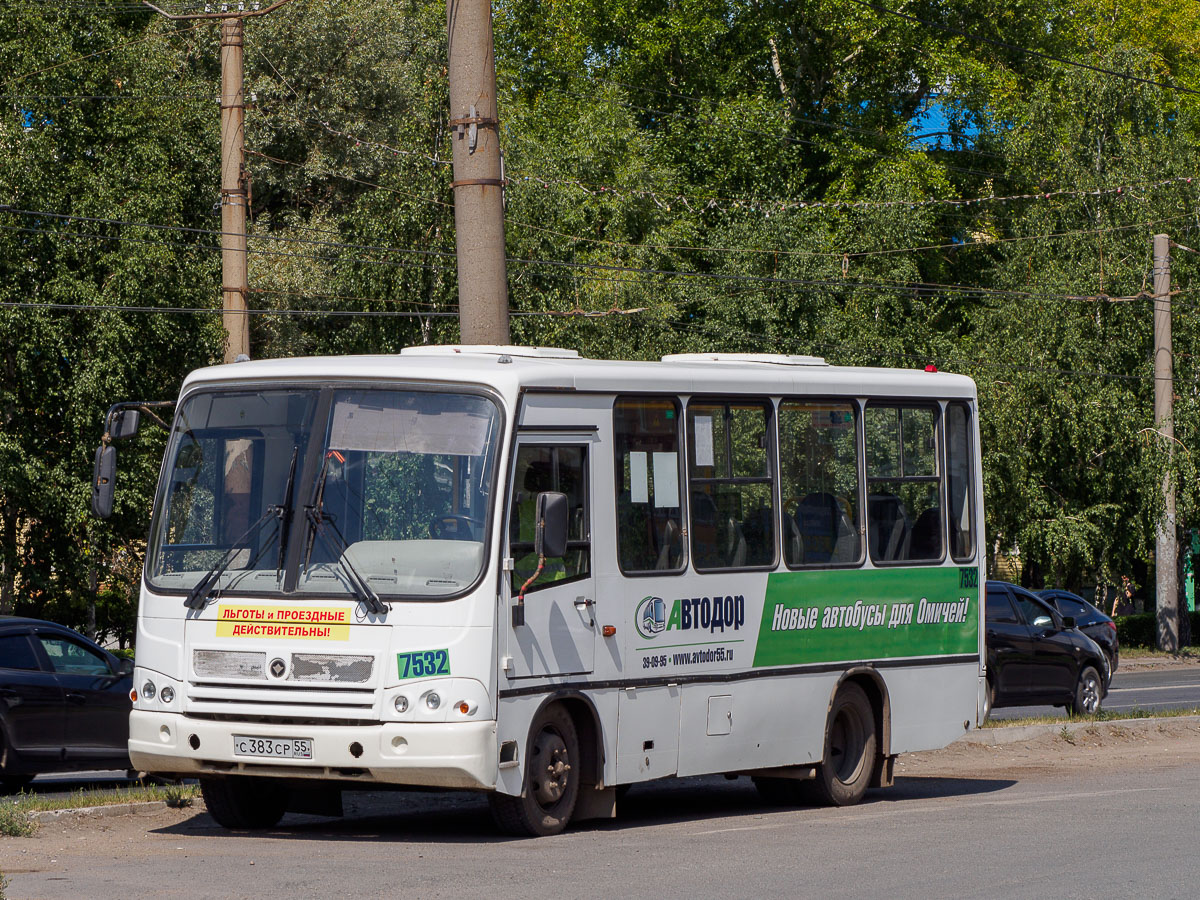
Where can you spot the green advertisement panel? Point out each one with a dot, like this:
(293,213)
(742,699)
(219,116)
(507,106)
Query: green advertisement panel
(847,615)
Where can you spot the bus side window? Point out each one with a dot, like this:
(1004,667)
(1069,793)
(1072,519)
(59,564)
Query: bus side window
(904,516)
(649,511)
(730,485)
(818,453)
(542,468)
(960,489)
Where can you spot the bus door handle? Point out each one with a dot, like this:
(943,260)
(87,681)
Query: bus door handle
(582,604)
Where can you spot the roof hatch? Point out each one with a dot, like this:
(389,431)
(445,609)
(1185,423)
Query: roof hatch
(771,359)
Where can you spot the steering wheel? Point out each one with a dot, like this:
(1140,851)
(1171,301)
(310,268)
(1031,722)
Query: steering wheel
(452,527)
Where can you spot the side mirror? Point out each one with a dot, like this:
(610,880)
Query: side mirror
(125,666)
(550,538)
(104,480)
(1043,622)
(123,423)
(1068,621)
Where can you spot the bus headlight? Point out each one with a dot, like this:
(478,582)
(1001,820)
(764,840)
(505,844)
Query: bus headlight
(401,703)
(148,690)
(167,694)
(432,700)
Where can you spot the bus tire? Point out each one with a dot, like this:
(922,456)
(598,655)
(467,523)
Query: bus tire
(850,750)
(244,802)
(551,779)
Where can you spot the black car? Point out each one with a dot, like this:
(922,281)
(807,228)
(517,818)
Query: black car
(1036,656)
(1095,624)
(64,702)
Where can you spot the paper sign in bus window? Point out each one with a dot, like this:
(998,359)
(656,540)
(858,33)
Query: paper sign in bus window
(639,485)
(666,480)
(704,440)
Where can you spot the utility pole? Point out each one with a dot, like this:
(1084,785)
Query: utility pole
(234,196)
(478,180)
(1166,586)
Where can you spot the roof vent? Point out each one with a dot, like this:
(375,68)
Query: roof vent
(770,359)
(491,350)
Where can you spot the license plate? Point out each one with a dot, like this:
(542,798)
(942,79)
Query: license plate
(275,748)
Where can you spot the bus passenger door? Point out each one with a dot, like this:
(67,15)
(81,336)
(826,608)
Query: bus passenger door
(558,636)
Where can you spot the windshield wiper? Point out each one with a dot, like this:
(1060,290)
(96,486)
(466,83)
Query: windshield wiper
(199,595)
(362,590)
(285,519)
(317,519)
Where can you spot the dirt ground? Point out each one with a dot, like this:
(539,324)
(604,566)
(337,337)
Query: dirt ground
(1152,745)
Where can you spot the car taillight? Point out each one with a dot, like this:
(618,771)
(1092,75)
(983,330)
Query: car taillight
(1113,625)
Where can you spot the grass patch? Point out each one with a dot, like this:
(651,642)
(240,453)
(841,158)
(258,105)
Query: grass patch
(15,814)
(15,822)
(1103,716)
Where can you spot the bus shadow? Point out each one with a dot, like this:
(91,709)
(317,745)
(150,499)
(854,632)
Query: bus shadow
(458,818)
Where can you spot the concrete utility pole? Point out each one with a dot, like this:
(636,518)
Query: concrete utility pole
(234,196)
(1166,586)
(478,183)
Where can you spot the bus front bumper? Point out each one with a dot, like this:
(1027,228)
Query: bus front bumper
(458,755)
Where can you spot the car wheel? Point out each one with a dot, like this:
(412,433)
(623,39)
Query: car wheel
(1089,693)
(10,782)
(551,779)
(850,748)
(241,801)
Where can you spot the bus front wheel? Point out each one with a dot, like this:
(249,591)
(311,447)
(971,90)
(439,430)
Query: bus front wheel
(551,779)
(241,801)
(850,749)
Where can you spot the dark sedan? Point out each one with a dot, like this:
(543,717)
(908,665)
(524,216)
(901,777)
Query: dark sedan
(1095,624)
(64,702)
(1036,656)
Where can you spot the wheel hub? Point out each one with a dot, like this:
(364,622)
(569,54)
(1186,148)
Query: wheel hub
(551,768)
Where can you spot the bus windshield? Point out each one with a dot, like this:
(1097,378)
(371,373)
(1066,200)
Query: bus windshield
(396,496)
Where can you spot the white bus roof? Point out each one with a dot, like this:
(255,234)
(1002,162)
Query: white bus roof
(508,369)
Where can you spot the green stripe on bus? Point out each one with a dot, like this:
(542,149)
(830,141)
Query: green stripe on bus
(846,615)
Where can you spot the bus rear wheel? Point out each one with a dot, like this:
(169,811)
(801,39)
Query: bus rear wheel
(551,780)
(850,749)
(241,801)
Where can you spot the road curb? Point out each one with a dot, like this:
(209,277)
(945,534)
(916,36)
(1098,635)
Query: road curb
(47,816)
(1012,734)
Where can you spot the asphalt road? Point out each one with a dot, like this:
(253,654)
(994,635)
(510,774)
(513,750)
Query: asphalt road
(1153,689)
(1124,833)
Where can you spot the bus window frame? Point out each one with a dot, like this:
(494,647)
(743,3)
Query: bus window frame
(536,439)
(858,405)
(936,404)
(681,463)
(966,405)
(768,404)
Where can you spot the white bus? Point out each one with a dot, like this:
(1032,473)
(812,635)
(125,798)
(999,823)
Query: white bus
(523,572)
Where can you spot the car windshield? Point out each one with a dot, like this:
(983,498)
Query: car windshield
(396,493)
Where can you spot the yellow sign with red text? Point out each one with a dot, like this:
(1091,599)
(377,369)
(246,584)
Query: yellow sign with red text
(303,623)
